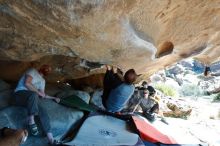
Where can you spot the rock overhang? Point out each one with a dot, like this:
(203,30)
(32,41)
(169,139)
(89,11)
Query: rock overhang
(145,35)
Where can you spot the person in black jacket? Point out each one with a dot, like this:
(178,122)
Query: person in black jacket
(113,78)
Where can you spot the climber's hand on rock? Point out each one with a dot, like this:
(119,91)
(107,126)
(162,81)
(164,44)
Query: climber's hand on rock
(57,100)
(41,94)
(108,67)
(115,69)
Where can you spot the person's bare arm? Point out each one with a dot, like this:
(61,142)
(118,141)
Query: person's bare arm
(29,85)
(50,97)
(108,67)
(114,69)
(54,98)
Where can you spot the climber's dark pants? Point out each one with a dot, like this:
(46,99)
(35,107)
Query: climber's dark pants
(154,109)
(30,100)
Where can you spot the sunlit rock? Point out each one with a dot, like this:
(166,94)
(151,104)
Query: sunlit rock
(145,35)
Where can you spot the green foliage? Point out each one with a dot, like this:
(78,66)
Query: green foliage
(191,90)
(167,90)
(217,97)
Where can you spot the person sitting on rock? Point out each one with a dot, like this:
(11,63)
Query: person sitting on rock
(31,89)
(207,80)
(208,74)
(119,95)
(112,79)
(150,102)
(144,99)
(207,71)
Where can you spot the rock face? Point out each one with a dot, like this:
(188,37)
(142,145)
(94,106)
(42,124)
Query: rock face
(177,110)
(62,120)
(77,36)
(5,94)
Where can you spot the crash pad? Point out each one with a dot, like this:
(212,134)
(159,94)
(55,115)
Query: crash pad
(74,101)
(162,134)
(102,130)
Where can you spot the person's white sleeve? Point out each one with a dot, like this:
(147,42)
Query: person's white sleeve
(31,72)
(42,86)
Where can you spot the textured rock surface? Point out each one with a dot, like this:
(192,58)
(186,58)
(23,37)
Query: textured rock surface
(96,99)
(127,33)
(61,120)
(177,110)
(5,98)
(66,93)
(5,94)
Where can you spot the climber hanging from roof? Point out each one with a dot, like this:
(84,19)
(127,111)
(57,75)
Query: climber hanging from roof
(117,89)
(113,78)
(31,89)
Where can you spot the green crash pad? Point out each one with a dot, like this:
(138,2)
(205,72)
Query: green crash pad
(74,101)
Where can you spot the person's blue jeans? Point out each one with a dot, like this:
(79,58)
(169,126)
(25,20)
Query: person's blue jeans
(30,100)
